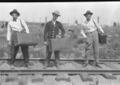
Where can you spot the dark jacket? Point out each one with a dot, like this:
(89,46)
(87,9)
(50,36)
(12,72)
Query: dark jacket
(52,31)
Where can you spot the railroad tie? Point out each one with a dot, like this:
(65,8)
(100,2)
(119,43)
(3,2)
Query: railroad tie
(11,77)
(95,81)
(37,78)
(62,77)
(85,77)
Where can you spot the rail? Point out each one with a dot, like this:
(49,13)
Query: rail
(39,59)
(20,72)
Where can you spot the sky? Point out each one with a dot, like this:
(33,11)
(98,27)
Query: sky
(70,11)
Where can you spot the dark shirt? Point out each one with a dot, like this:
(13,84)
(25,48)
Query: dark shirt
(51,30)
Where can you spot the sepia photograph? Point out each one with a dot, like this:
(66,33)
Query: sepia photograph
(60,43)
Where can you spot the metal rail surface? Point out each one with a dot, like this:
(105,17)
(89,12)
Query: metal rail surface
(20,72)
(39,59)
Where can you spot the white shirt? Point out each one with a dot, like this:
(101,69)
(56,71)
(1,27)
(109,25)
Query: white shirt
(54,22)
(17,25)
(90,26)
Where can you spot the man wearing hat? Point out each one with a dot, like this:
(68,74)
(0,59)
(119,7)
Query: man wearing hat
(52,30)
(17,25)
(90,32)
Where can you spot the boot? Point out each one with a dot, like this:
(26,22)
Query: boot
(11,62)
(25,64)
(46,64)
(57,63)
(96,64)
(85,63)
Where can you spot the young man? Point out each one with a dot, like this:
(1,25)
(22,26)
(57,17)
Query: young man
(16,25)
(52,30)
(90,32)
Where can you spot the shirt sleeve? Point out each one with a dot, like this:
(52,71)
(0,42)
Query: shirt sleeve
(98,26)
(25,26)
(8,32)
(62,29)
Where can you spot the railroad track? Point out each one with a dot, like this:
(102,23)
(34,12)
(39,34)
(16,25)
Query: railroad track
(32,72)
(84,74)
(39,59)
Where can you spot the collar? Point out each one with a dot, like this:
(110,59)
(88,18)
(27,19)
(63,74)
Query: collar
(53,21)
(16,19)
(88,21)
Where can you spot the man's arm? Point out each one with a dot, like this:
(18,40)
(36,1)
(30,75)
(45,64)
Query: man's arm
(25,26)
(8,33)
(62,30)
(84,27)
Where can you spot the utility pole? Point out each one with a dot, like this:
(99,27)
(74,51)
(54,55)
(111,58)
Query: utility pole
(76,22)
(40,20)
(45,19)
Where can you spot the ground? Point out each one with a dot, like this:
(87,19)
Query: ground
(107,51)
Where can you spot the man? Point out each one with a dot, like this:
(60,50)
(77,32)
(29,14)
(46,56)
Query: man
(90,32)
(16,25)
(52,29)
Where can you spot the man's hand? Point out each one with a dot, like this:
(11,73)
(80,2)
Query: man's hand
(60,36)
(102,33)
(45,43)
(9,43)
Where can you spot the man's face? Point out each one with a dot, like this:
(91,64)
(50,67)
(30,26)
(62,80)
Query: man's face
(55,17)
(15,16)
(88,17)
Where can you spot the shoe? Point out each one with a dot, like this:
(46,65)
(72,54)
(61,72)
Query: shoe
(96,64)
(85,65)
(25,64)
(56,63)
(47,64)
(10,62)
(31,64)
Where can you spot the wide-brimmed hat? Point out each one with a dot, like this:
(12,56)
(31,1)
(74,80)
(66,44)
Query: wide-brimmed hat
(15,11)
(56,13)
(88,12)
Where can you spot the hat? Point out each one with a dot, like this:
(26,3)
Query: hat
(56,13)
(88,12)
(15,11)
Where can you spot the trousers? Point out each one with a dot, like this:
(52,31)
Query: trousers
(14,51)
(49,54)
(14,48)
(92,44)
